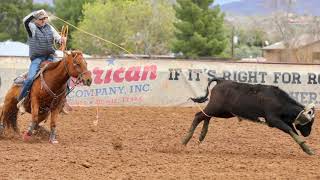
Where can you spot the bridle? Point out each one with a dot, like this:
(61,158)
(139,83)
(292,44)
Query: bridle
(76,66)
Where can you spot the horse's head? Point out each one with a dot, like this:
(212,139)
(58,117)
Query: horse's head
(76,66)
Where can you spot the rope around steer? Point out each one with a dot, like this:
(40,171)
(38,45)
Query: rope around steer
(203,111)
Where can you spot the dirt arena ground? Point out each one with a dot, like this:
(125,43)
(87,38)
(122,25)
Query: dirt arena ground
(144,143)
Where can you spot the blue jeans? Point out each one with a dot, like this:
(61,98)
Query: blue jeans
(33,70)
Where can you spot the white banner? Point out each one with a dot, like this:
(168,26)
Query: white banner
(128,82)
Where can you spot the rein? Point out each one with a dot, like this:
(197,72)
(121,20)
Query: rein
(46,87)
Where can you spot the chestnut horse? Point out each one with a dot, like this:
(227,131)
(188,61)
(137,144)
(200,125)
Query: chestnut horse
(47,94)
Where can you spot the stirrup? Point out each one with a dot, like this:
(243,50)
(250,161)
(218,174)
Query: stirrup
(20,106)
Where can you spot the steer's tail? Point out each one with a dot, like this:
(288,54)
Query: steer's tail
(204,98)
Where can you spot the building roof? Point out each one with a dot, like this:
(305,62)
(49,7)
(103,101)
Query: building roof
(303,40)
(12,48)
(277,45)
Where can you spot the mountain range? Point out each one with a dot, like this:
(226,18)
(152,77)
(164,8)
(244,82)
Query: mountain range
(50,2)
(256,7)
(266,7)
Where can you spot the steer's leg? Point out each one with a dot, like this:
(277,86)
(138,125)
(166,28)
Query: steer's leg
(301,143)
(197,119)
(204,129)
(276,122)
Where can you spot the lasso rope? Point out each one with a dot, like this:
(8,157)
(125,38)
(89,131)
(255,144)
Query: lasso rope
(90,34)
(64,33)
(203,111)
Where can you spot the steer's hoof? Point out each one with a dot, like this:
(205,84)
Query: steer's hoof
(26,136)
(53,141)
(307,149)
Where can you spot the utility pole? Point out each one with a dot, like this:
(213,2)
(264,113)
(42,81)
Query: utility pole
(232,42)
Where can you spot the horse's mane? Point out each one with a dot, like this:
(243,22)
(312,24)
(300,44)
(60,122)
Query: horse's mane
(53,65)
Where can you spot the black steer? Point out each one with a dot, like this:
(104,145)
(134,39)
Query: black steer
(257,103)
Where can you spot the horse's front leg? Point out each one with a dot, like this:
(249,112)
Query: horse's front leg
(53,131)
(35,118)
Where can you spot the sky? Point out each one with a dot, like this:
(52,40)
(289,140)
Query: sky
(221,2)
(215,1)
(224,1)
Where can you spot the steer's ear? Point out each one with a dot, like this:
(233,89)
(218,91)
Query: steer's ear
(309,111)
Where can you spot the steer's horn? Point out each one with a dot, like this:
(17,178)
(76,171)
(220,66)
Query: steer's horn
(309,107)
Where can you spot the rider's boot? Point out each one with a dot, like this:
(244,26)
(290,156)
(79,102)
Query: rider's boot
(20,106)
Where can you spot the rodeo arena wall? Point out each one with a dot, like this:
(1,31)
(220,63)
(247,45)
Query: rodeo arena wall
(144,82)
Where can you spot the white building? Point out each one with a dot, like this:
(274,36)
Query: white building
(12,48)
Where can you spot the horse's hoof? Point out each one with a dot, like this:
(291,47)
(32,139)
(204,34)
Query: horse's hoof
(26,137)
(1,129)
(53,141)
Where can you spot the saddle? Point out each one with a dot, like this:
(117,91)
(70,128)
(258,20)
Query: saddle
(18,81)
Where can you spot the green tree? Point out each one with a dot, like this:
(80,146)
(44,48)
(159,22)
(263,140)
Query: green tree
(251,36)
(152,28)
(245,51)
(137,25)
(106,20)
(70,11)
(12,13)
(199,31)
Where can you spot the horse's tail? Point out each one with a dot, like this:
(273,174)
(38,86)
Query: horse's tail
(1,122)
(204,98)
(9,112)
(11,116)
